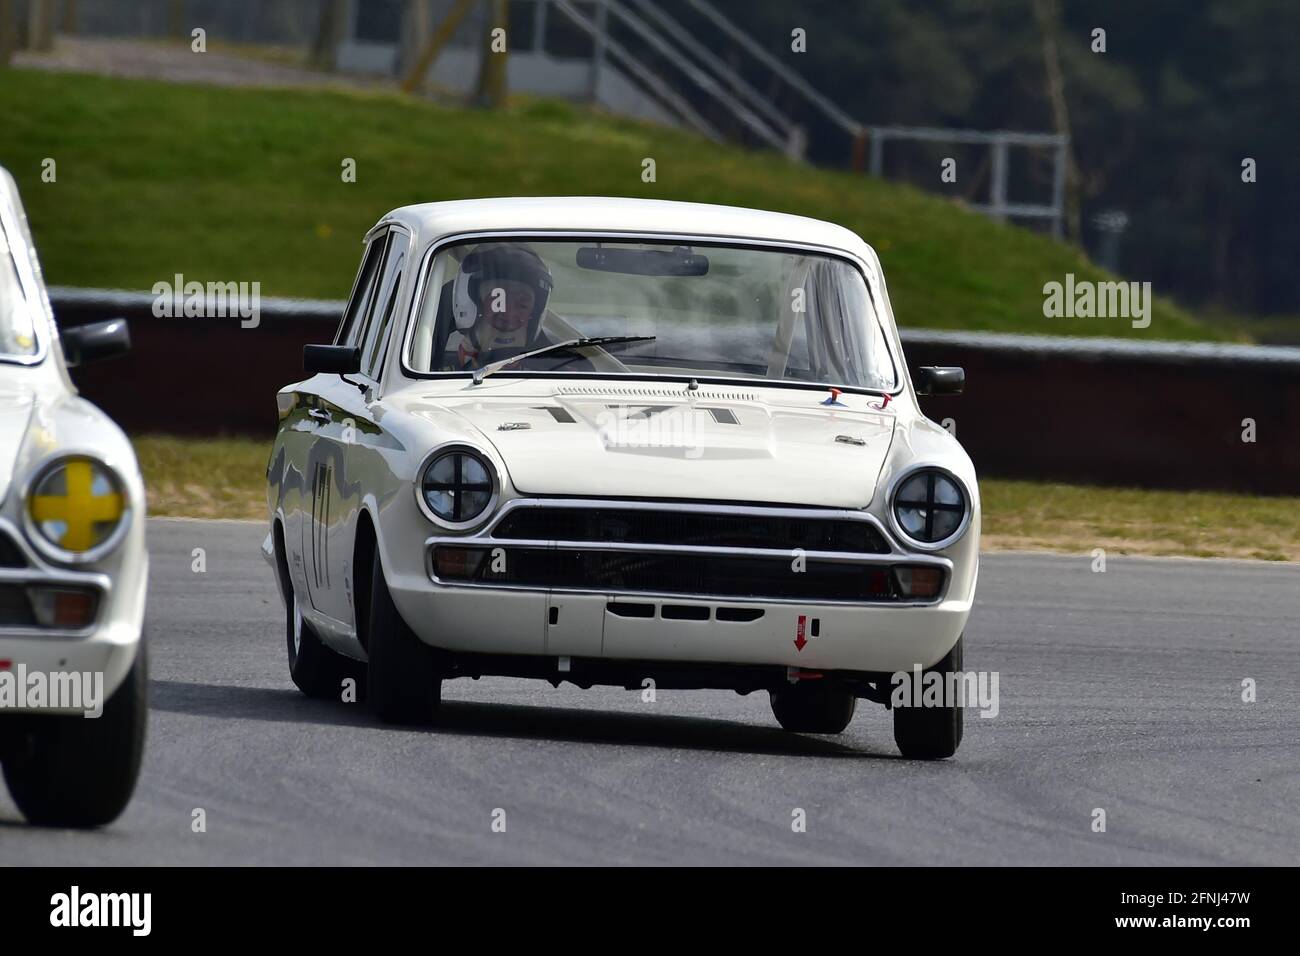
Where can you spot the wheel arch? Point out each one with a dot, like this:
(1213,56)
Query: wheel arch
(364,547)
(283,577)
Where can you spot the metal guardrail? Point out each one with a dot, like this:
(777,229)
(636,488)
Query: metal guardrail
(701,78)
(791,137)
(796,82)
(1092,349)
(999,141)
(605,44)
(709,59)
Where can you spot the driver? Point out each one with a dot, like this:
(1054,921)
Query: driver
(498,301)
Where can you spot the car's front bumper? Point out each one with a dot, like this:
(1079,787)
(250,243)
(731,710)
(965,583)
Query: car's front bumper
(502,621)
(757,602)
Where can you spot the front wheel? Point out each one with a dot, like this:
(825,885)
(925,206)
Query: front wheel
(405,685)
(81,771)
(931,733)
(807,708)
(318,671)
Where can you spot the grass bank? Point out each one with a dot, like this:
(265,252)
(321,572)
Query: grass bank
(224,184)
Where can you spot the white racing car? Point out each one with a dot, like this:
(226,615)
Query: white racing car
(612,441)
(73,566)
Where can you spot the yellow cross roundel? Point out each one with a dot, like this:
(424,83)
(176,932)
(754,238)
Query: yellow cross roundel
(79,513)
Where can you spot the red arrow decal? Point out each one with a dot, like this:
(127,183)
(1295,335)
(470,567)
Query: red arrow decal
(799,639)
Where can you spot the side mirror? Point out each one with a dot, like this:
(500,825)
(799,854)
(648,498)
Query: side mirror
(94,341)
(331,359)
(939,380)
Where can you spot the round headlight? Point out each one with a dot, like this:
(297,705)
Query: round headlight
(930,507)
(457,486)
(76,508)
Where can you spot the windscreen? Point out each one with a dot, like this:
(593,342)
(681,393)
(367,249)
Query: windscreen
(712,311)
(17,332)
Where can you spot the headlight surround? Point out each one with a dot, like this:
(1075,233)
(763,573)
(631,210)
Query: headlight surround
(457,487)
(930,508)
(75,510)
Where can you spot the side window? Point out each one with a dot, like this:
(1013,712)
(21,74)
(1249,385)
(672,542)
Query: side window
(354,318)
(372,351)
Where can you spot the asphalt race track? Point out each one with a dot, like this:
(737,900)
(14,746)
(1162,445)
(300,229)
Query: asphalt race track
(1120,691)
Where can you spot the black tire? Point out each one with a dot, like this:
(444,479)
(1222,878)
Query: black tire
(931,733)
(405,684)
(316,670)
(79,771)
(807,708)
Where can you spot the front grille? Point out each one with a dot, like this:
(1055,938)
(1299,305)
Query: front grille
(11,556)
(741,576)
(15,608)
(610,524)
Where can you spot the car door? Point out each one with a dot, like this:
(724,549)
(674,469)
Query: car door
(324,442)
(360,462)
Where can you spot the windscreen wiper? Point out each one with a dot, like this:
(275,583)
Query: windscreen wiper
(569,346)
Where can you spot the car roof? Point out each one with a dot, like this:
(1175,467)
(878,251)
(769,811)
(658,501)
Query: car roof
(437,220)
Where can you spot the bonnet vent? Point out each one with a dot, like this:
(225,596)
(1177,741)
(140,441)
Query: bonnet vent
(640,391)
